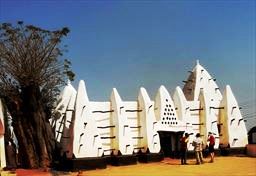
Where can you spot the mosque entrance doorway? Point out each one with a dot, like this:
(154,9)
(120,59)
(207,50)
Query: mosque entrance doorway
(170,143)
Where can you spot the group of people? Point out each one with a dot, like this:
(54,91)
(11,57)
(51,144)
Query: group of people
(198,145)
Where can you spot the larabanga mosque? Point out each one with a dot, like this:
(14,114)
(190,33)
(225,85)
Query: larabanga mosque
(93,129)
(90,129)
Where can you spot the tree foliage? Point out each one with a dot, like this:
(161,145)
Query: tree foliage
(31,75)
(30,55)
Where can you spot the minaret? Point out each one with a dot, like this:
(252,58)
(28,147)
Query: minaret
(68,82)
(199,79)
(197,62)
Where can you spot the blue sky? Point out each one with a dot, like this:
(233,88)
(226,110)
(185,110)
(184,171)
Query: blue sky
(129,44)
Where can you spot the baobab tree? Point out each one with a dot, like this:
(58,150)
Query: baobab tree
(32,72)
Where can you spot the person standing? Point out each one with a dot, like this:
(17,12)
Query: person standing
(198,148)
(184,148)
(211,140)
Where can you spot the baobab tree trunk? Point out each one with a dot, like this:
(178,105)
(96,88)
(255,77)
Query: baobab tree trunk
(33,130)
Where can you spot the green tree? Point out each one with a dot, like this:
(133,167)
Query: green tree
(31,75)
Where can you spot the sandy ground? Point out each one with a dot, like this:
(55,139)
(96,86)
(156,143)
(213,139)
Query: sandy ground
(223,166)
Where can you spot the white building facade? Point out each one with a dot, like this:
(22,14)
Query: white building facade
(116,127)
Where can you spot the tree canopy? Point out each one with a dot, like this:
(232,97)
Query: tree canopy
(31,55)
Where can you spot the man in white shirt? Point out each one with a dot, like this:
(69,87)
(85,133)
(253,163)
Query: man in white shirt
(198,148)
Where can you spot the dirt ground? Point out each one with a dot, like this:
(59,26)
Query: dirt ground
(223,166)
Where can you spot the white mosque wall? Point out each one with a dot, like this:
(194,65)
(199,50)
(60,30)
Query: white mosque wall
(232,126)
(166,113)
(2,131)
(224,122)
(132,111)
(94,129)
(182,107)
(149,135)
(68,94)
(62,123)
(142,121)
(208,118)
(193,120)
(86,139)
(213,121)
(123,142)
(101,112)
(67,136)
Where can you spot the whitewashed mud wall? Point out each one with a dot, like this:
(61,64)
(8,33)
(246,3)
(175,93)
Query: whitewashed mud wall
(184,114)
(123,134)
(232,124)
(200,86)
(166,113)
(63,122)
(93,129)
(149,136)
(208,117)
